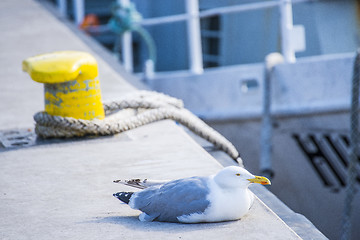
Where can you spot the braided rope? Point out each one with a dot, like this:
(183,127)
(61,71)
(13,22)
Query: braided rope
(159,107)
(142,99)
(354,147)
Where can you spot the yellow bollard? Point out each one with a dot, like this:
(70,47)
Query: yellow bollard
(72,87)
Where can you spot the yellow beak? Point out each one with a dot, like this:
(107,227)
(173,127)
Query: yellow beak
(261,180)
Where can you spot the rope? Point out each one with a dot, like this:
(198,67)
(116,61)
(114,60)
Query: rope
(154,107)
(124,18)
(142,99)
(354,142)
(127,18)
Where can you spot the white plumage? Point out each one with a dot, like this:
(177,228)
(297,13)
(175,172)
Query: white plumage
(221,197)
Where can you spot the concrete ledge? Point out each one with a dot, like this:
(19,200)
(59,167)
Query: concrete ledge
(63,191)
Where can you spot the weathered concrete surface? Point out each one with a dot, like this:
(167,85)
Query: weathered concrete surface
(64,190)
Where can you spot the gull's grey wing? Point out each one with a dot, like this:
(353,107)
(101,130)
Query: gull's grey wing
(173,199)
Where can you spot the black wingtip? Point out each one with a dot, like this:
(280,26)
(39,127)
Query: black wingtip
(123,196)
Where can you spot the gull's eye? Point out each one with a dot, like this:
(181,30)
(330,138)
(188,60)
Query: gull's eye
(238,174)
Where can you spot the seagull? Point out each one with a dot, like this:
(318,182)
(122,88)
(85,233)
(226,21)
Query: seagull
(221,197)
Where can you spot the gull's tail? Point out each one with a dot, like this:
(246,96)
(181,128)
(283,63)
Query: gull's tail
(123,196)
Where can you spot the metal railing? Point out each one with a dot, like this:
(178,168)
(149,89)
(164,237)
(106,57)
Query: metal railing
(193,16)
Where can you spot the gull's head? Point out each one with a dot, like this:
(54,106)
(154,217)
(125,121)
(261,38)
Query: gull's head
(235,177)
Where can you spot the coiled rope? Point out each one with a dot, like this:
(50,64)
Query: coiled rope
(151,106)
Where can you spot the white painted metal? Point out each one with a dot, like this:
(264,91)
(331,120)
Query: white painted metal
(164,20)
(298,40)
(216,11)
(193,18)
(79,11)
(266,168)
(62,6)
(127,51)
(238,8)
(286,23)
(194,37)
(149,69)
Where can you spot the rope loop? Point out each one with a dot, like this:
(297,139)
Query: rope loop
(150,107)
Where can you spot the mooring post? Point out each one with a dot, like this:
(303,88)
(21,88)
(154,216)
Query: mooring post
(72,87)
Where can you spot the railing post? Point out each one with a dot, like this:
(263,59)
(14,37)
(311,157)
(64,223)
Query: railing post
(286,23)
(126,44)
(194,37)
(62,6)
(79,11)
(271,61)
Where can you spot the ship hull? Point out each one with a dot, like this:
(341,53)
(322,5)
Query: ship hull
(309,160)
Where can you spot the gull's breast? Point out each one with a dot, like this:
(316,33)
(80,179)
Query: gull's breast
(225,205)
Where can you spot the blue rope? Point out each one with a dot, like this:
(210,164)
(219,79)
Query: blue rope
(126,19)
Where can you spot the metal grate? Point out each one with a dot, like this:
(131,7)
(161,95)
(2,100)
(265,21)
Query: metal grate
(21,138)
(16,138)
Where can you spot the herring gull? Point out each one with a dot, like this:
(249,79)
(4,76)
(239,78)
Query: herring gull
(221,197)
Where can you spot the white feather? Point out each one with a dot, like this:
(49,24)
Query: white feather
(225,204)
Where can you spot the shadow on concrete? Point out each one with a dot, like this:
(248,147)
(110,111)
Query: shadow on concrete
(133,223)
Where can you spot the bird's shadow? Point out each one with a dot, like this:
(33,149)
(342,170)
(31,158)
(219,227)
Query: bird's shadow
(133,223)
